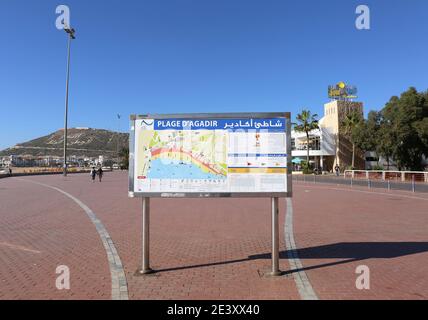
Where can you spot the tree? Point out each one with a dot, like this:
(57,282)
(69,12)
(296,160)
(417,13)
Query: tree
(366,133)
(375,134)
(385,142)
(124,158)
(421,128)
(405,125)
(352,124)
(306,123)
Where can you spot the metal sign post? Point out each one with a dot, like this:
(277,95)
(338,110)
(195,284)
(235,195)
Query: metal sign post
(275,237)
(145,267)
(228,155)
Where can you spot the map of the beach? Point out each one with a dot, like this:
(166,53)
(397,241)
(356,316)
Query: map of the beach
(175,154)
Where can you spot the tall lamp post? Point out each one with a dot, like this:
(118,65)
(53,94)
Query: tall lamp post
(118,137)
(70,31)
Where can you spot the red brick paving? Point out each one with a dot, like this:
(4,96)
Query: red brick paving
(41,229)
(386,232)
(206,249)
(209,248)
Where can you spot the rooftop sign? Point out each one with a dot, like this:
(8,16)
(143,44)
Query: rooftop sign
(342,91)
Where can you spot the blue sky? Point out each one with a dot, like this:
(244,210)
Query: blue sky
(178,56)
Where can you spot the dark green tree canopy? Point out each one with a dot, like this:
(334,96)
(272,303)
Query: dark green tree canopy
(399,130)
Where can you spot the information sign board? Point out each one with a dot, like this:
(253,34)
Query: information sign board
(210,155)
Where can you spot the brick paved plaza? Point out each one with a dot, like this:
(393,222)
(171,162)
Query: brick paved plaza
(209,248)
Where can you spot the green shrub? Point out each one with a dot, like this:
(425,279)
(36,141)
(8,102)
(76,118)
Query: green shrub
(306,168)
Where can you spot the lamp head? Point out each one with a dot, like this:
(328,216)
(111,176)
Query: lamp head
(70,31)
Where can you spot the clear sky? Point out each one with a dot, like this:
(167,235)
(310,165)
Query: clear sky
(178,56)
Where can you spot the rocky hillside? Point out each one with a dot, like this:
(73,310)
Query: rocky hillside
(81,142)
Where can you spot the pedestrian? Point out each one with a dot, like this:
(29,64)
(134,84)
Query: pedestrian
(10,172)
(337,169)
(100,173)
(93,174)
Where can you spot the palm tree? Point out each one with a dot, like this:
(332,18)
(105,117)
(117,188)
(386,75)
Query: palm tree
(306,123)
(350,123)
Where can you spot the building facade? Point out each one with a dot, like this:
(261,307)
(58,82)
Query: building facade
(328,145)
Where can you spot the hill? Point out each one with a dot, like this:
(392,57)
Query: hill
(80,141)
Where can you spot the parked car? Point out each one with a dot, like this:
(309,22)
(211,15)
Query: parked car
(4,170)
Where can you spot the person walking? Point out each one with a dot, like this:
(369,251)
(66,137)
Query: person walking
(100,173)
(337,169)
(93,174)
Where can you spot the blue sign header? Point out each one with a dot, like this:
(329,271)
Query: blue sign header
(276,124)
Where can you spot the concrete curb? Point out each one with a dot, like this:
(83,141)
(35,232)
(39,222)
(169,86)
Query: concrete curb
(303,284)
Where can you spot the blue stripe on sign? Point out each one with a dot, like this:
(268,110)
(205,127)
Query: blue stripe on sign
(270,125)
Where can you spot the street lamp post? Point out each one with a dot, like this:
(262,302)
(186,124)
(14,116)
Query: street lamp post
(118,137)
(71,36)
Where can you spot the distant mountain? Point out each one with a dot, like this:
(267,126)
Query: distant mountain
(80,141)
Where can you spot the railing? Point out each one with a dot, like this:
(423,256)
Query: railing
(410,183)
(403,176)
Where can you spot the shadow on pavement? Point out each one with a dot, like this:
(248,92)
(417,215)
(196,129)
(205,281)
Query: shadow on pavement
(361,250)
(355,251)
(350,251)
